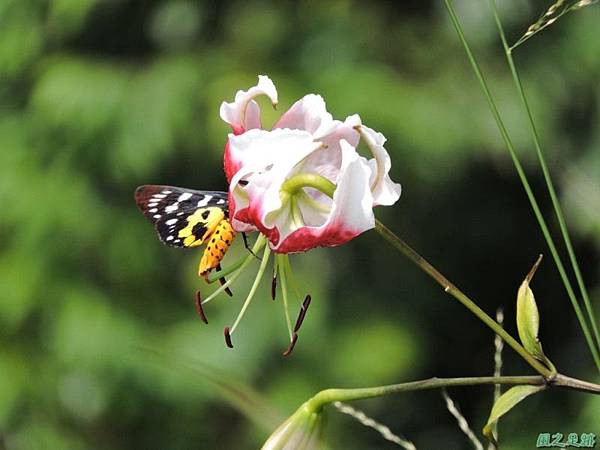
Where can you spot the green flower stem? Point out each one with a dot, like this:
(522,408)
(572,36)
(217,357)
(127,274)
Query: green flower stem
(295,184)
(461,297)
(555,203)
(522,176)
(327,396)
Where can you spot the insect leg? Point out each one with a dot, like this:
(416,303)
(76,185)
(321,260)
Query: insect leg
(245,238)
(222,280)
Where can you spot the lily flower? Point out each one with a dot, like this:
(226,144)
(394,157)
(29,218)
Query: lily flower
(301,185)
(307,145)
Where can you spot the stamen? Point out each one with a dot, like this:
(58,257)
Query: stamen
(282,274)
(227,337)
(259,275)
(303,310)
(199,309)
(292,345)
(290,276)
(214,276)
(257,245)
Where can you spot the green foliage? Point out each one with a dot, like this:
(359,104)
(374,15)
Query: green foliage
(505,403)
(528,318)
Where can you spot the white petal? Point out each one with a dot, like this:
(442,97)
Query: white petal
(385,191)
(310,114)
(257,149)
(244,113)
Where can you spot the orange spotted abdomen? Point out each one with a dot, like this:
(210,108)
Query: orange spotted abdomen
(217,245)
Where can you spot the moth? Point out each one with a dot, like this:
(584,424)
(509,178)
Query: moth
(187,218)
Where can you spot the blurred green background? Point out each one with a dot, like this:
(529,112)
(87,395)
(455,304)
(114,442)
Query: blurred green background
(100,345)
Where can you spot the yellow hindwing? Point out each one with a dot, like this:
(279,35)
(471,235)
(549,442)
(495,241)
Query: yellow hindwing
(200,226)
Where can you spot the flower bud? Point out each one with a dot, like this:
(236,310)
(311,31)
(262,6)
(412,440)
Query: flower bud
(301,431)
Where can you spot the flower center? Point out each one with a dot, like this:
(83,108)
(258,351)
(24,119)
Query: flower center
(292,193)
(292,186)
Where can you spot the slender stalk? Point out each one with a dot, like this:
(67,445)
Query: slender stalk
(451,289)
(214,276)
(281,260)
(519,169)
(259,275)
(344,395)
(552,191)
(260,242)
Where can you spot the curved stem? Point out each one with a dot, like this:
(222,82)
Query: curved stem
(344,395)
(449,288)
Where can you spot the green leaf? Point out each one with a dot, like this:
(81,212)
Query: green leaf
(505,403)
(528,318)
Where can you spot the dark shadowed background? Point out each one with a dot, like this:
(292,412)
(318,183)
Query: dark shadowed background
(101,347)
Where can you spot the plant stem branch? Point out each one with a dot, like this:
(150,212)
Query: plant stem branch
(451,289)
(344,395)
(556,205)
(519,168)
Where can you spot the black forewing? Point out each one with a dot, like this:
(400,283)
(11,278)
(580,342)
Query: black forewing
(168,207)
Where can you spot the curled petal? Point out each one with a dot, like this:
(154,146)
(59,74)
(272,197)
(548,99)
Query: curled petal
(385,191)
(244,113)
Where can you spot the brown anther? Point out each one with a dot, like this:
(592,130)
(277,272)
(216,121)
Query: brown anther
(292,345)
(302,314)
(199,309)
(274,286)
(227,337)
